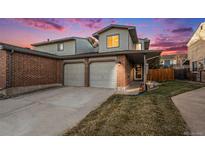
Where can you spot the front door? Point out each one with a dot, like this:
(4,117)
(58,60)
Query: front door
(138,72)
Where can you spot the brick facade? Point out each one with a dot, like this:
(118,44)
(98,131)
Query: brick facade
(125,72)
(28,70)
(3,68)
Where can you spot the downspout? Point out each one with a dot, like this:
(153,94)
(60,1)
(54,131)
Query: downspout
(10,69)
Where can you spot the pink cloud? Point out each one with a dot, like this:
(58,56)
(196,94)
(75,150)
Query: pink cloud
(44,24)
(173,41)
(168,53)
(172,52)
(183,30)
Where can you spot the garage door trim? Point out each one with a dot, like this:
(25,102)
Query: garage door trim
(102,60)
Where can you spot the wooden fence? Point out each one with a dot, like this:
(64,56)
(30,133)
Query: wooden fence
(162,74)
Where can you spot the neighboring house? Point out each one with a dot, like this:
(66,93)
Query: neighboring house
(196,52)
(177,61)
(112,58)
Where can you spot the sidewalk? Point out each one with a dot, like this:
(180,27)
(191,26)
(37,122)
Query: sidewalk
(192,108)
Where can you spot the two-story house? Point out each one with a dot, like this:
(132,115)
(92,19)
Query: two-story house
(196,52)
(112,58)
(115,62)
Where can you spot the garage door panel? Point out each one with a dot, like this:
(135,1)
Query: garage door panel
(74,74)
(103,74)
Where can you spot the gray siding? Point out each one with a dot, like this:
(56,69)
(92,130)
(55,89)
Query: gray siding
(84,46)
(69,48)
(125,44)
(132,46)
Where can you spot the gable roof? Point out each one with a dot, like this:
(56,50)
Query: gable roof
(131,29)
(196,34)
(57,41)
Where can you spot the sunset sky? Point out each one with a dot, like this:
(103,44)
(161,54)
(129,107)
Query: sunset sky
(167,34)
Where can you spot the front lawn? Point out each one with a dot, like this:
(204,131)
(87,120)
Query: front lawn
(151,113)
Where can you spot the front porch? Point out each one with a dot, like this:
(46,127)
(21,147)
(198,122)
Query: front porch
(140,61)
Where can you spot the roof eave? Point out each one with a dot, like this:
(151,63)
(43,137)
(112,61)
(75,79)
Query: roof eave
(27,51)
(114,53)
(57,41)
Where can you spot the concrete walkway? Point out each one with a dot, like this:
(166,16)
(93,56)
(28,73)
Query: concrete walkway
(49,112)
(192,108)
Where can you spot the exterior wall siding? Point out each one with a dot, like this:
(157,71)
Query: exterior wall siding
(83,46)
(132,46)
(69,48)
(29,70)
(3,68)
(124,44)
(196,52)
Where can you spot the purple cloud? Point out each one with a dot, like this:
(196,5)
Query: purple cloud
(45,24)
(169,42)
(92,23)
(182,30)
(178,47)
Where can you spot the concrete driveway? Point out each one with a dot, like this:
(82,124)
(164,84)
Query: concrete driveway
(192,108)
(49,112)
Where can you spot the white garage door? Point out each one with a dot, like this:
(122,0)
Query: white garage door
(103,74)
(74,74)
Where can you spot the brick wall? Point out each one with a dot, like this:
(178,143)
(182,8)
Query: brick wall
(125,72)
(3,68)
(28,70)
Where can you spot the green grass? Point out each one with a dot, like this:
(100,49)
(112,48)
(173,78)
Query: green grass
(152,113)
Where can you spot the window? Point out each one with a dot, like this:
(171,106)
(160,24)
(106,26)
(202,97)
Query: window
(60,47)
(113,41)
(194,66)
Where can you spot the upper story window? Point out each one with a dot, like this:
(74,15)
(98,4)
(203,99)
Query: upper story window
(113,41)
(60,47)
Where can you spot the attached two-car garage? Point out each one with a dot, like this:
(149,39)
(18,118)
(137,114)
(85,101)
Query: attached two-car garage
(100,74)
